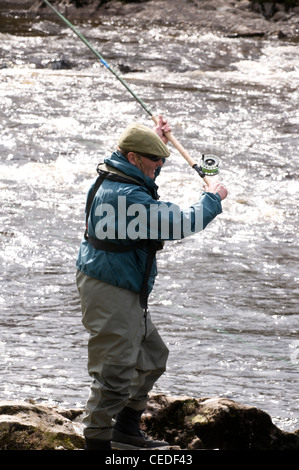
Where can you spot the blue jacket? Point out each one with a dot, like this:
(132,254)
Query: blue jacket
(123,213)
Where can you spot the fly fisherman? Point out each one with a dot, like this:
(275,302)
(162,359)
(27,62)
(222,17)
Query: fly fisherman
(116,272)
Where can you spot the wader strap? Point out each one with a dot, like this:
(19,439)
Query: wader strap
(152,246)
(113,247)
(91,196)
(102,176)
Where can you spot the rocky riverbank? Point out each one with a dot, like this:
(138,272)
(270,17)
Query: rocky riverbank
(186,423)
(232,18)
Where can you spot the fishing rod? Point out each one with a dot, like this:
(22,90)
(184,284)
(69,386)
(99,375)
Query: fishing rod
(209,164)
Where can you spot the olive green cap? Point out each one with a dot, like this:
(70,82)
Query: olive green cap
(141,139)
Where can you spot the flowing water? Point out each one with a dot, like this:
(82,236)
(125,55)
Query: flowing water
(226,300)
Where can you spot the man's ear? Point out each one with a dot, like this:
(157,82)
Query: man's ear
(132,158)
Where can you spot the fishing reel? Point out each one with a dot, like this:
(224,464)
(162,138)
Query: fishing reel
(209,166)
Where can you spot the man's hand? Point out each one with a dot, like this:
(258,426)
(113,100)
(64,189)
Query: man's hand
(216,187)
(161,128)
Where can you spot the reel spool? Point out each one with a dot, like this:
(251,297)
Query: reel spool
(210,165)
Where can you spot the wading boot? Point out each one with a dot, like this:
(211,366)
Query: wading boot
(127,434)
(97,444)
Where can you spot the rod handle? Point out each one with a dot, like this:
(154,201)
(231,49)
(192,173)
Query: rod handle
(181,149)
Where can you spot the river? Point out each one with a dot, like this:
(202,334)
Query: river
(226,300)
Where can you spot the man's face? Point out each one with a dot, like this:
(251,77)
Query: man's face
(146,165)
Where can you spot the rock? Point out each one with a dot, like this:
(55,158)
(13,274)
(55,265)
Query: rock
(26,426)
(60,64)
(215,423)
(185,422)
(233,18)
(127,69)
(280,16)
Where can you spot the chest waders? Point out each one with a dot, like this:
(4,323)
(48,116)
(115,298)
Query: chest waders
(152,246)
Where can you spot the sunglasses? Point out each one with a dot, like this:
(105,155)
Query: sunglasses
(153,158)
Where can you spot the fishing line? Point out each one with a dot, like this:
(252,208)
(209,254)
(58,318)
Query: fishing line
(209,164)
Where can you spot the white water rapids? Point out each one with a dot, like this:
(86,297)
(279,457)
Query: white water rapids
(226,300)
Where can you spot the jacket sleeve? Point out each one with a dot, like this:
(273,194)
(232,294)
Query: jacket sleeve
(158,220)
(211,207)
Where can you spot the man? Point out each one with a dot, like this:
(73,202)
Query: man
(116,272)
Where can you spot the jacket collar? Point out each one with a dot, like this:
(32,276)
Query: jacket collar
(119,162)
